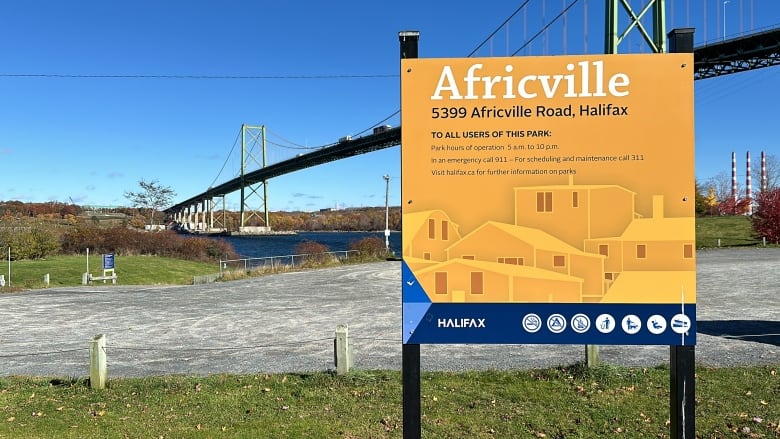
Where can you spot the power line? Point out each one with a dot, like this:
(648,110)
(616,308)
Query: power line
(294,145)
(218,77)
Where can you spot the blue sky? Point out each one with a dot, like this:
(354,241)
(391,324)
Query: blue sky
(96,95)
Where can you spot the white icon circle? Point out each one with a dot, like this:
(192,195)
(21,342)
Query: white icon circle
(580,323)
(681,323)
(631,324)
(532,323)
(605,323)
(556,323)
(656,324)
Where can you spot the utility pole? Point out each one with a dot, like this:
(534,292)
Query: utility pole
(387,212)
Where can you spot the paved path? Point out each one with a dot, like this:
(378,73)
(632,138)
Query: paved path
(286,323)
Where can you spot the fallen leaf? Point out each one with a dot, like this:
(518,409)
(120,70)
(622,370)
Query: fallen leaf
(11,419)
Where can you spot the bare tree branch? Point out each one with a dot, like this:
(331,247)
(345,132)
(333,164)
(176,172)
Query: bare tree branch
(152,196)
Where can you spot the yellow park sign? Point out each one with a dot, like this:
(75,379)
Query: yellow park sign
(548,199)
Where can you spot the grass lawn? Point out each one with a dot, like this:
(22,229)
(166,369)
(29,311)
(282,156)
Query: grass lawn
(732,231)
(131,270)
(565,402)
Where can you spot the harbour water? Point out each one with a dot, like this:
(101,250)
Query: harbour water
(282,245)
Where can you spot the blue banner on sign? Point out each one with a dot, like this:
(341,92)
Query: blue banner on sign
(551,323)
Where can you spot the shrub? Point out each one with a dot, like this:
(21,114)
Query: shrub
(29,242)
(125,241)
(369,247)
(316,253)
(766,217)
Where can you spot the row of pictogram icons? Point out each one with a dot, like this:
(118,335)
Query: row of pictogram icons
(606,323)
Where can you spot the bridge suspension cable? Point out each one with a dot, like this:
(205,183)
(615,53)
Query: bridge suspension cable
(500,26)
(547,26)
(227,159)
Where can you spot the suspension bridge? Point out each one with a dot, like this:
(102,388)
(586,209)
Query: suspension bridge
(728,53)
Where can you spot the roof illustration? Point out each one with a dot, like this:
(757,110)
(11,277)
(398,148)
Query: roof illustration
(506,269)
(653,287)
(538,238)
(666,229)
(573,186)
(416,220)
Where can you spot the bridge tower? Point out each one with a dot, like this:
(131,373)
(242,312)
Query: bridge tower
(253,152)
(656,39)
(612,39)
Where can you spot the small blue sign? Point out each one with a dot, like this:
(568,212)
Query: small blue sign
(108,261)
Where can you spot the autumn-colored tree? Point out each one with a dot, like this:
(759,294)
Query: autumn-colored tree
(731,207)
(766,217)
(138,222)
(701,200)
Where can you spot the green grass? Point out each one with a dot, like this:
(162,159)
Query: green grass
(732,231)
(130,270)
(566,402)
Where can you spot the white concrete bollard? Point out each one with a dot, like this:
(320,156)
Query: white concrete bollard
(342,351)
(97,362)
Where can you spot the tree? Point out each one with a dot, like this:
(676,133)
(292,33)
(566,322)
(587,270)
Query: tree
(701,206)
(152,196)
(766,218)
(721,185)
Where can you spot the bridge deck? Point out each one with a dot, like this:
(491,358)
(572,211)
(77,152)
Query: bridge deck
(754,51)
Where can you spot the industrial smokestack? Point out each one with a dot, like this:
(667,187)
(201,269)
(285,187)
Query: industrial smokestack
(763,171)
(749,190)
(734,177)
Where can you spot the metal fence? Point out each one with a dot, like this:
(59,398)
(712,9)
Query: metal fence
(273,263)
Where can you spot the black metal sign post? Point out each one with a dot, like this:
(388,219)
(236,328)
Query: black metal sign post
(410,353)
(682,415)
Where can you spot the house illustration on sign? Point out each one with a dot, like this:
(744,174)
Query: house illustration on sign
(569,244)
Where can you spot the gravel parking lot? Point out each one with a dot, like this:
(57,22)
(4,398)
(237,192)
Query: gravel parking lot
(286,323)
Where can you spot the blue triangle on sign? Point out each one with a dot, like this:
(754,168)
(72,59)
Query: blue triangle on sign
(412,291)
